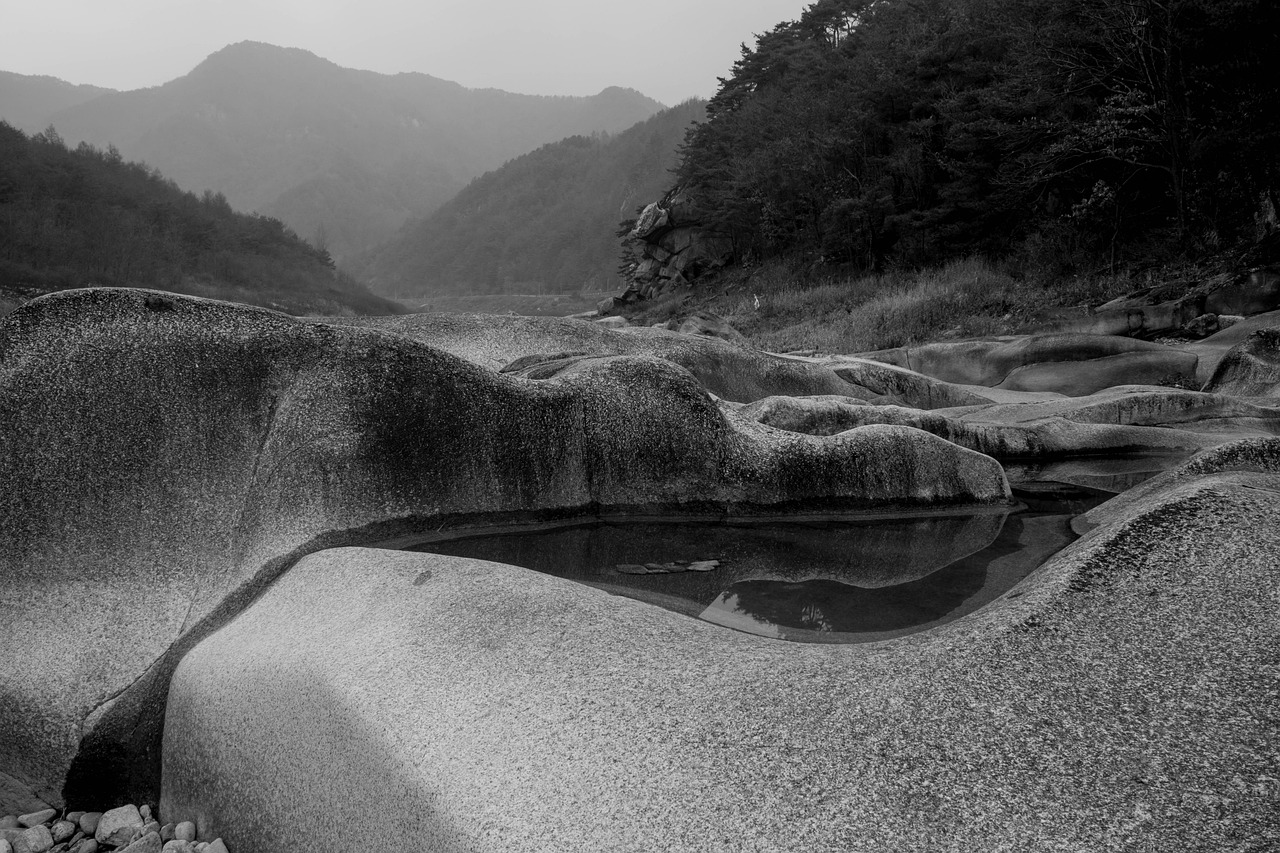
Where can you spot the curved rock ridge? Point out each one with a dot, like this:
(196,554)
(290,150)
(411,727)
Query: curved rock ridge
(1122,697)
(1139,405)
(167,457)
(1047,437)
(1251,368)
(541,347)
(1070,363)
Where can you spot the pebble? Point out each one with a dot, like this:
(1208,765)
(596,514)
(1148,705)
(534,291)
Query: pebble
(37,818)
(128,829)
(149,843)
(35,840)
(116,826)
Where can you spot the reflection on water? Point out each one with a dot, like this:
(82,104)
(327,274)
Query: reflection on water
(1109,473)
(841,580)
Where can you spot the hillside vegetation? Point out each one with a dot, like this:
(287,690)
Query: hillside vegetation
(339,155)
(1066,135)
(543,223)
(75,218)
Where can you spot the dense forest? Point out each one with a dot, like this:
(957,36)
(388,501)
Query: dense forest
(1065,133)
(74,218)
(543,223)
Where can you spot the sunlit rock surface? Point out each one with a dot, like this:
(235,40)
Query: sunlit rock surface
(1122,697)
(165,458)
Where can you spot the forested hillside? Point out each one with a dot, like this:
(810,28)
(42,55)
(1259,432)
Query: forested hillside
(75,218)
(543,223)
(896,133)
(336,153)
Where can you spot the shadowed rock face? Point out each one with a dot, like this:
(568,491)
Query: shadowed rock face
(1122,697)
(165,458)
(1251,368)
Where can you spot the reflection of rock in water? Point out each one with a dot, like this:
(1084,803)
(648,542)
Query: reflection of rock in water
(1110,474)
(830,611)
(870,552)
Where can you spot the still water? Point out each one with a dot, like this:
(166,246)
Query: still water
(832,580)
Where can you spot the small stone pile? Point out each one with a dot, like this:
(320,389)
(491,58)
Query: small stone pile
(128,829)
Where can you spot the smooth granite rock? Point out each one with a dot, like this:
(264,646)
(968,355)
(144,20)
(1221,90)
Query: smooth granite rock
(1251,368)
(1123,697)
(167,457)
(117,826)
(37,839)
(1071,363)
(36,818)
(1046,437)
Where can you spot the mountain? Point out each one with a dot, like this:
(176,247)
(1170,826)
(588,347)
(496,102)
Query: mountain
(27,102)
(87,217)
(342,154)
(544,222)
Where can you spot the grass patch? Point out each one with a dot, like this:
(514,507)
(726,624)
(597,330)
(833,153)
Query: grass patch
(783,310)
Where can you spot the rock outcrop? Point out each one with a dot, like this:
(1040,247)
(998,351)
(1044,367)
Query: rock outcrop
(1183,308)
(166,458)
(673,247)
(1122,697)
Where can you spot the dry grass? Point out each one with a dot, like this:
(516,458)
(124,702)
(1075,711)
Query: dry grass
(781,311)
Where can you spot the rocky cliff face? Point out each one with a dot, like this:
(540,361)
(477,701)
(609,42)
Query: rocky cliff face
(672,246)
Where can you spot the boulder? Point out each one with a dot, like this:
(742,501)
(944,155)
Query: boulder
(1211,350)
(1251,368)
(527,712)
(223,443)
(711,326)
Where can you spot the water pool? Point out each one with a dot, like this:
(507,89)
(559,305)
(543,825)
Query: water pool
(836,579)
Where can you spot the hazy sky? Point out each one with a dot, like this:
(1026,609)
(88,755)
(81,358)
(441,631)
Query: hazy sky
(668,49)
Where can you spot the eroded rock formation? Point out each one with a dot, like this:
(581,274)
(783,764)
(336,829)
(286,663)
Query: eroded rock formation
(166,458)
(1123,697)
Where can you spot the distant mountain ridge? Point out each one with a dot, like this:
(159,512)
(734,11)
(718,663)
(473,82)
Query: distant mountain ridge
(544,222)
(338,154)
(28,101)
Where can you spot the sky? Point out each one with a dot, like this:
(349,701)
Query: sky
(667,49)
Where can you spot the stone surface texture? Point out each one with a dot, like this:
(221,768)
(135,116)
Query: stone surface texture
(1123,697)
(167,457)
(1071,362)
